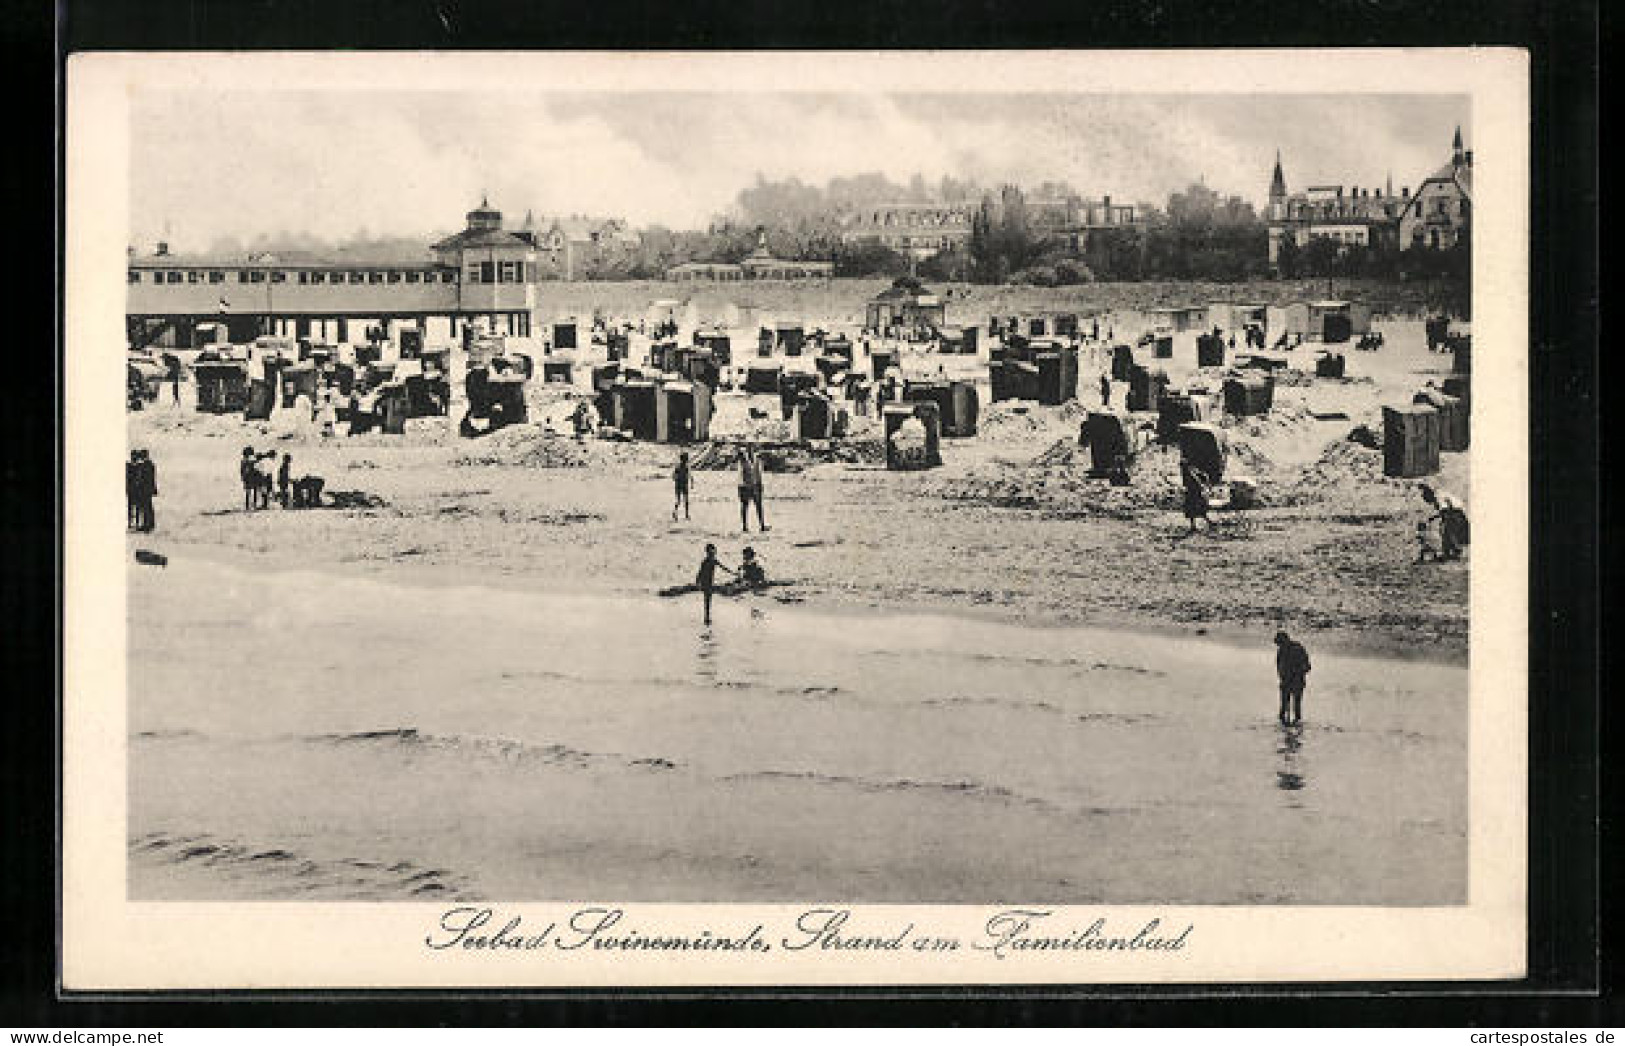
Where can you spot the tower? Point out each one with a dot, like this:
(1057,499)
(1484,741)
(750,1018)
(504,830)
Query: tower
(1277,205)
(1455,148)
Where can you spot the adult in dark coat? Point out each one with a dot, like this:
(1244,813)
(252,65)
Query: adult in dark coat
(132,486)
(146,488)
(1292,668)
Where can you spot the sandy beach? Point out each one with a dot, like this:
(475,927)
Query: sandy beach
(994,680)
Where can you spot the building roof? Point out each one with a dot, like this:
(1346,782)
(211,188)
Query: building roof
(293,260)
(478,238)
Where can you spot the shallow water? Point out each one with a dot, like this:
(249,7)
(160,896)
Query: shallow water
(301,736)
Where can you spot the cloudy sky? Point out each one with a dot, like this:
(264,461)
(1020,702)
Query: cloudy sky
(207,164)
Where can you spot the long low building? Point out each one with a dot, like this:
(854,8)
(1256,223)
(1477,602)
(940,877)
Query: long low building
(483,272)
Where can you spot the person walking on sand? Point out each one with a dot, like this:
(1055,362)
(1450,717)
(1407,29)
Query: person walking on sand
(146,488)
(706,579)
(1292,669)
(750,489)
(679,478)
(1452,518)
(1105,391)
(1195,504)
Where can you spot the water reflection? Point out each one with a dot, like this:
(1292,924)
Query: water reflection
(705,666)
(1289,778)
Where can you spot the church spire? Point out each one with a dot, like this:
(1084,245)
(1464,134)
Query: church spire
(1277,180)
(1455,147)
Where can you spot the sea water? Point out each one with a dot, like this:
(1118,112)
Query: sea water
(305,736)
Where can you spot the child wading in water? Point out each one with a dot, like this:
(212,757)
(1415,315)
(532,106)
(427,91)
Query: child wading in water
(679,478)
(706,579)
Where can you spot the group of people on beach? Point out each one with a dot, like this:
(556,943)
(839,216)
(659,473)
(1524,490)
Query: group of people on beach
(750,488)
(260,479)
(751,574)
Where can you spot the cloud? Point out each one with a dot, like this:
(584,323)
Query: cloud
(250,162)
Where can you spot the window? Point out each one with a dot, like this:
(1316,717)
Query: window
(449,276)
(242,275)
(194,277)
(394,276)
(134,276)
(304,277)
(358,277)
(318,277)
(279,276)
(217,277)
(256,276)
(473,272)
(172,277)
(375,277)
(488,272)
(412,277)
(507,273)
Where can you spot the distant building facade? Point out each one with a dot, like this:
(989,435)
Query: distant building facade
(758,265)
(483,272)
(920,229)
(925,229)
(1438,215)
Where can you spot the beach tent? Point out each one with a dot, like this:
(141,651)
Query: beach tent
(635,409)
(1122,362)
(1410,441)
(1209,350)
(913,435)
(558,371)
(1330,365)
(817,417)
(1175,409)
(763,378)
(1177,318)
(682,412)
(1114,441)
(1453,430)
(1145,388)
(1249,395)
(564,333)
(1233,317)
(791,385)
(1057,375)
(790,337)
(1203,446)
(957,404)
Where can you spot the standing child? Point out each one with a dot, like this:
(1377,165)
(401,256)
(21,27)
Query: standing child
(679,479)
(248,472)
(284,479)
(706,579)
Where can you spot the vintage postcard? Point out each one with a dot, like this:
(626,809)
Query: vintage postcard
(762,519)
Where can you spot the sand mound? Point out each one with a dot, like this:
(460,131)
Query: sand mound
(527,447)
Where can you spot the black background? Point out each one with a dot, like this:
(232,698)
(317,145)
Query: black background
(1567,985)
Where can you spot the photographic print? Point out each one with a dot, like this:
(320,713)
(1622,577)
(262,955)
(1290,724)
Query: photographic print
(796,518)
